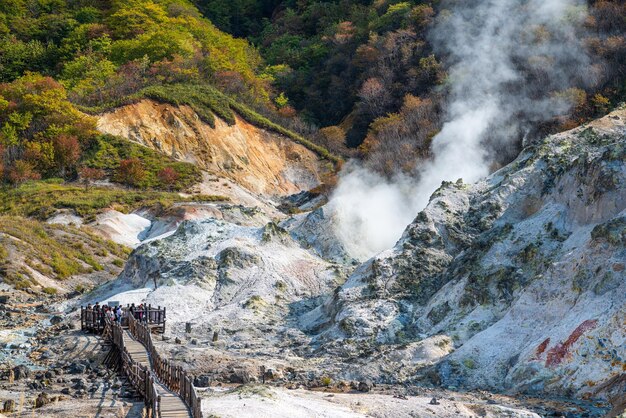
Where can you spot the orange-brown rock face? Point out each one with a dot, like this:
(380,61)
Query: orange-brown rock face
(261,161)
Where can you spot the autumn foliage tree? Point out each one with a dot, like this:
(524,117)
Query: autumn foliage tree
(66,153)
(168,177)
(22,171)
(131,172)
(40,128)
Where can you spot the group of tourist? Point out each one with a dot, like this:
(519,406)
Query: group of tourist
(99,313)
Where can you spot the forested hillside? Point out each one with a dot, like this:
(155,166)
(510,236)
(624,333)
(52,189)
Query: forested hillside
(101,51)
(61,59)
(372,69)
(367,75)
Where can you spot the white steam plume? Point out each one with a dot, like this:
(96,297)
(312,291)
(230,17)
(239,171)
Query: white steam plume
(491,103)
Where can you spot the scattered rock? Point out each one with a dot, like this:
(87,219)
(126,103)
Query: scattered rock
(77,368)
(271,374)
(8,406)
(42,400)
(79,384)
(56,319)
(202,381)
(21,372)
(434,401)
(239,376)
(35,385)
(365,386)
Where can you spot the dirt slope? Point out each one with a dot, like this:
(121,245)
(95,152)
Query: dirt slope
(261,161)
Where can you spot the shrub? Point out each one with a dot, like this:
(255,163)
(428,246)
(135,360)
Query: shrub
(50,290)
(168,177)
(22,171)
(89,175)
(131,172)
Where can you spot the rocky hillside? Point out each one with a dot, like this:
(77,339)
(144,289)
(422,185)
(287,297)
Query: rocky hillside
(261,161)
(517,282)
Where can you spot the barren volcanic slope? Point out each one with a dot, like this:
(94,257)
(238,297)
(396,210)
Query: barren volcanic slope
(514,285)
(520,277)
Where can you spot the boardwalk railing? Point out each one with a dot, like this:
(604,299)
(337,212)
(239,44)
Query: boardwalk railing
(172,376)
(140,377)
(94,319)
(140,325)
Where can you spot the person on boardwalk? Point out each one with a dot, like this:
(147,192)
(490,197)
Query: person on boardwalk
(101,317)
(110,314)
(118,314)
(89,315)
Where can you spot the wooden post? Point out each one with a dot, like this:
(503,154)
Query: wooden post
(164,315)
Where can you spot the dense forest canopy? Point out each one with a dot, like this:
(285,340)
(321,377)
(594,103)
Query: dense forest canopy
(355,65)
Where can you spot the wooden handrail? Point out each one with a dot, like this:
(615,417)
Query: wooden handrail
(173,377)
(141,377)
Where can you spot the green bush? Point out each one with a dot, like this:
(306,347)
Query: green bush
(50,290)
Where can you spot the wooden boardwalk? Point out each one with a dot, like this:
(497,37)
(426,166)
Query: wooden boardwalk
(170,404)
(167,389)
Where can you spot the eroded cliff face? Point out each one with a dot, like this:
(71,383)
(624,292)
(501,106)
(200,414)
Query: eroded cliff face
(261,161)
(524,272)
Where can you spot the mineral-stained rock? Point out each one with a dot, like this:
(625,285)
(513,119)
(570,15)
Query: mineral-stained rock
(523,272)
